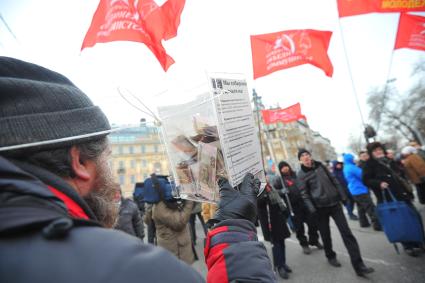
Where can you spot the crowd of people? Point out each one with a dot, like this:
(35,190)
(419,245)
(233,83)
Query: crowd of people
(62,210)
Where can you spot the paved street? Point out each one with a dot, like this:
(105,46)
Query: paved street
(376,251)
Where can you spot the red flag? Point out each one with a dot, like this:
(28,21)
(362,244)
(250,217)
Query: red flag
(411,32)
(287,115)
(357,7)
(280,50)
(163,21)
(131,20)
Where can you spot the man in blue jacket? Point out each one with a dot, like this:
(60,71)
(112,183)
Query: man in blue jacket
(360,193)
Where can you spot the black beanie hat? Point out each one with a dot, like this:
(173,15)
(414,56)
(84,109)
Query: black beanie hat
(283,164)
(301,151)
(39,105)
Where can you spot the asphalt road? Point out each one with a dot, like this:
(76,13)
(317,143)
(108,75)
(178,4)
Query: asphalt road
(377,252)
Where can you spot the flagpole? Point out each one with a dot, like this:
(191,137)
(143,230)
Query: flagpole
(389,68)
(257,110)
(273,156)
(351,74)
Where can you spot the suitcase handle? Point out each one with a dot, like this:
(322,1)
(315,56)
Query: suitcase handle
(390,193)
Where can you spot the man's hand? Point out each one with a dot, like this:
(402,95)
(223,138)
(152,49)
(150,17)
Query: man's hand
(384,185)
(238,204)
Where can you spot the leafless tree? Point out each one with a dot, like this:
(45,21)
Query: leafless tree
(400,115)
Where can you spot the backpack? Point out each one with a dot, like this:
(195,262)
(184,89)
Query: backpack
(154,189)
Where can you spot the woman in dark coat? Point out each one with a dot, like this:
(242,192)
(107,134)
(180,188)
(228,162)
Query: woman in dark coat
(379,174)
(273,214)
(301,213)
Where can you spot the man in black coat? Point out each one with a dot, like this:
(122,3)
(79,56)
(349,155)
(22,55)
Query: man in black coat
(57,197)
(323,195)
(380,174)
(301,213)
(129,219)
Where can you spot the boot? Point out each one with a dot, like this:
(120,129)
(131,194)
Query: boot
(377,226)
(306,250)
(353,217)
(282,273)
(334,262)
(287,268)
(362,270)
(411,252)
(318,245)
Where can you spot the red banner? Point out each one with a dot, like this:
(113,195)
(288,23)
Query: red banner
(280,50)
(287,115)
(411,32)
(122,20)
(348,8)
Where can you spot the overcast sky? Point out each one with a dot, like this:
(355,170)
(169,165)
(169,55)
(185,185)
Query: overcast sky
(214,37)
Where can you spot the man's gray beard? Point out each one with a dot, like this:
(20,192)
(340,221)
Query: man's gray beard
(101,198)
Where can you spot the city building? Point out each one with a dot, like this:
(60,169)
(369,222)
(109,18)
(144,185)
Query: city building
(137,152)
(285,139)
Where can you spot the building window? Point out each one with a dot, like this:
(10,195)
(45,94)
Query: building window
(157,167)
(122,179)
(145,176)
(131,149)
(133,164)
(144,163)
(120,149)
(133,179)
(121,164)
(155,149)
(143,148)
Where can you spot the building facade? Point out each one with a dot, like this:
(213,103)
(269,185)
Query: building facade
(284,140)
(137,152)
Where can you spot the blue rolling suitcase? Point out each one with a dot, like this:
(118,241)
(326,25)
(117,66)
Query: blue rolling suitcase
(400,222)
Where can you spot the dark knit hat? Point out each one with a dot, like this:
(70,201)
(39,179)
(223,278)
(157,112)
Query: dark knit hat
(374,145)
(43,108)
(301,151)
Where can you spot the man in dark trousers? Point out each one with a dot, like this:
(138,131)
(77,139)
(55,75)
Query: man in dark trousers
(323,194)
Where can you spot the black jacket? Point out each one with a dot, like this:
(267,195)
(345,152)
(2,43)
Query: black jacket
(294,192)
(41,242)
(319,188)
(374,173)
(130,220)
(272,219)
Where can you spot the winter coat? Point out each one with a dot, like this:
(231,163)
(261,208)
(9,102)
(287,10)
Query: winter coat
(319,188)
(374,173)
(172,229)
(339,175)
(272,219)
(415,168)
(208,210)
(130,220)
(49,234)
(290,182)
(353,175)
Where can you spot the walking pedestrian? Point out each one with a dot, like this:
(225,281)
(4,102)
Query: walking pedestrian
(196,212)
(360,193)
(338,168)
(273,215)
(323,194)
(129,219)
(415,170)
(379,175)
